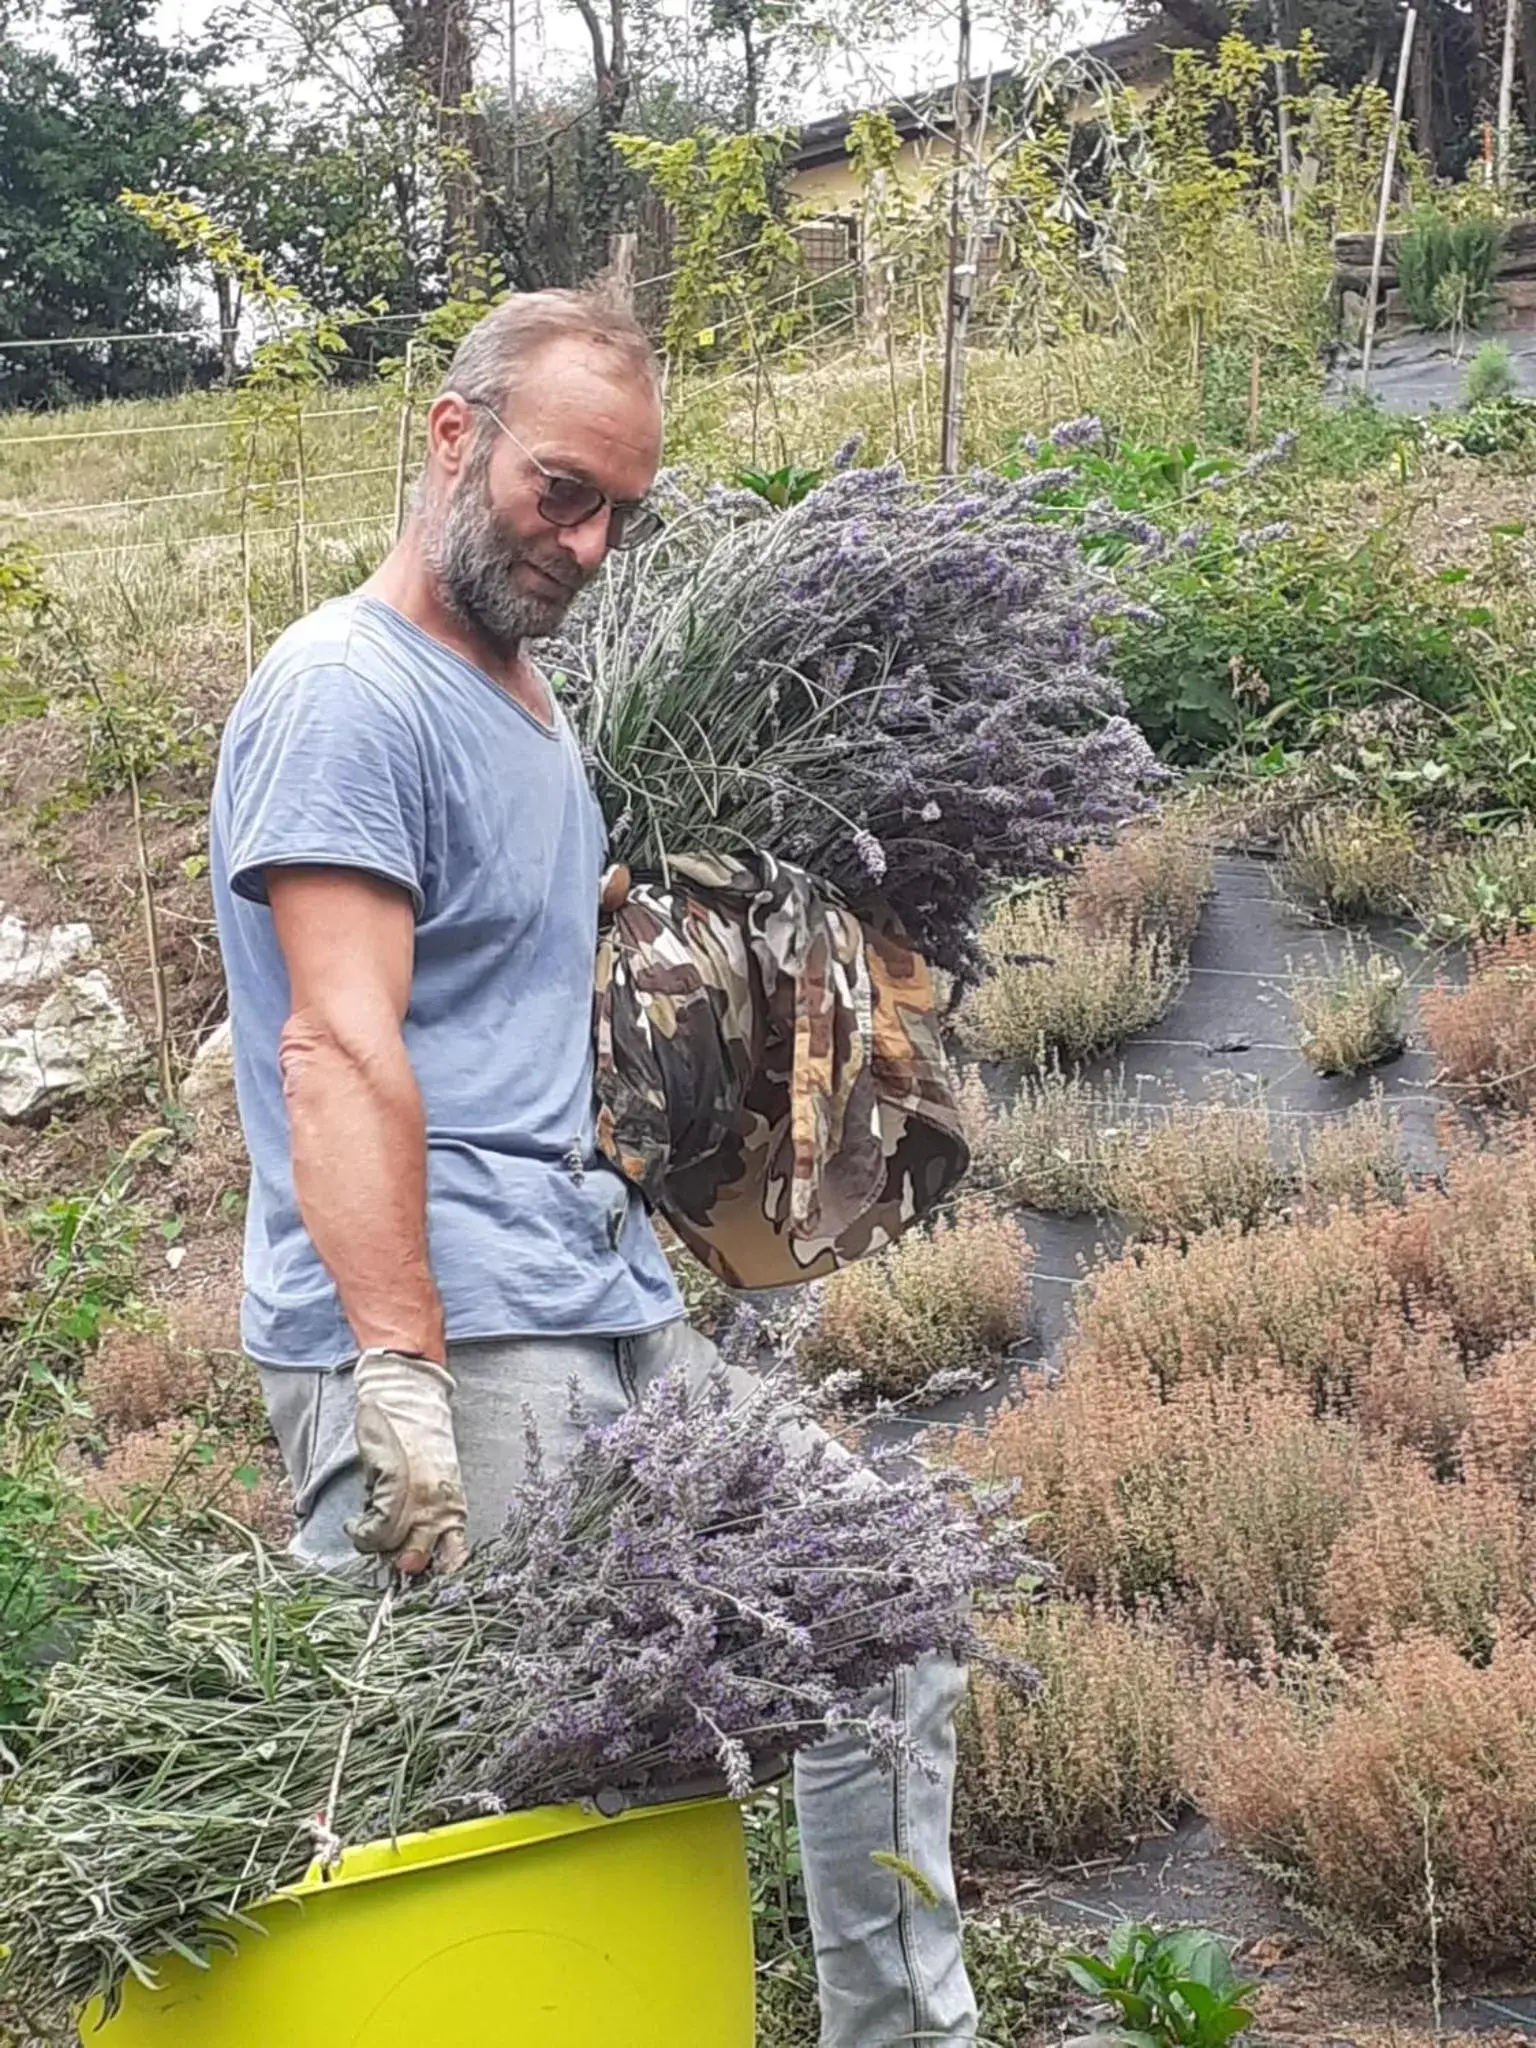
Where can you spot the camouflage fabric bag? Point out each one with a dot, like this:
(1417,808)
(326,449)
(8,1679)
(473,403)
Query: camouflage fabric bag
(770,1070)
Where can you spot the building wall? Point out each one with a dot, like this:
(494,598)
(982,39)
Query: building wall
(833,188)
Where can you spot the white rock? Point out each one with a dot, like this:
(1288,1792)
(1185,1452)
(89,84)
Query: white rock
(28,957)
(210,1082)
(79,1038)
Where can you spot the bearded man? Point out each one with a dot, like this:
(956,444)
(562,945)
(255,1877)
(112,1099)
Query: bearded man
(406,862)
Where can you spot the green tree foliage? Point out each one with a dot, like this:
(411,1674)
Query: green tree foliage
(126,108)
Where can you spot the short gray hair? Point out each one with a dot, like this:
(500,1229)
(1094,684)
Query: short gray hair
(487,363)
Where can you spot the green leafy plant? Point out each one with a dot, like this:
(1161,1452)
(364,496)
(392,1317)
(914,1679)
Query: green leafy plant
(1503,425)
(38,1591)
(1175,1990)
(1445,268)
(1263,629)
(780,487)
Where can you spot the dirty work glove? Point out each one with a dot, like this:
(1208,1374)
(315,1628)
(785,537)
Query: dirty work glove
(414,1510)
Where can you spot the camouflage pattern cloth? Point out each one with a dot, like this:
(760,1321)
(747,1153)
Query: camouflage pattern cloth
(770,1070)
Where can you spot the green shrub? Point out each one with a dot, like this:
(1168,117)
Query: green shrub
(37,1590)
(1490,375)
(1445,268)
(1282,626)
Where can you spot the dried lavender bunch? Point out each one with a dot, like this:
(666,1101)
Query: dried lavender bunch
(899,687)
(695,1590)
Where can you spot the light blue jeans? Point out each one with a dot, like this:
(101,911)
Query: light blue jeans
(889,1963)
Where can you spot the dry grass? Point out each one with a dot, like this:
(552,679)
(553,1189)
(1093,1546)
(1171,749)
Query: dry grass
(1053,988)
(1351,1017)
(1090,1762)
(1154,880)
(953,1298)
(1484,1035)
(1341,1788)
(1351,861)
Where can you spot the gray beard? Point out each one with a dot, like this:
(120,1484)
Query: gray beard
(472,557)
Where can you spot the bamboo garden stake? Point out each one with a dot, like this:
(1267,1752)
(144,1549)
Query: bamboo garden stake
(1387,169)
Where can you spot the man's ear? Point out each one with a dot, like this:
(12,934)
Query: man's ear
(450,431)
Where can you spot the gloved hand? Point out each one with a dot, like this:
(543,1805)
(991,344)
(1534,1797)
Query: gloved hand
(414,1512)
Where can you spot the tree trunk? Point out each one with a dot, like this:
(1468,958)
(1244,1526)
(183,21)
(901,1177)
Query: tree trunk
(1528,63)
(750,68)
(437,48)
(1422,86)
(607,189)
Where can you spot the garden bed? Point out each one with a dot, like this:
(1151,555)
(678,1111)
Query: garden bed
(1232,1028)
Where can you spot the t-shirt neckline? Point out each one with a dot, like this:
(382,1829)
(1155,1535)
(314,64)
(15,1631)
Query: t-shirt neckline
(548,732)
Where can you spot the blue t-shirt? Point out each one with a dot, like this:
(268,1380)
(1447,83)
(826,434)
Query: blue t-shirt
(362,742)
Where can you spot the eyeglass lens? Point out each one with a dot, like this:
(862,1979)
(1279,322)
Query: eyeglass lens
(567,501)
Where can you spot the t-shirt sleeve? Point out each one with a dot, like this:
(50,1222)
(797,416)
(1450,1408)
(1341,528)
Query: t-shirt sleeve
(326,771)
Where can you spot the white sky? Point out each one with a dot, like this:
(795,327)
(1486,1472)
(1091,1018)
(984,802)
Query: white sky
(553,43)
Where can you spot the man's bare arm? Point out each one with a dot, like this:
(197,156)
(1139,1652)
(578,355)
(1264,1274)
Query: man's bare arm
(354,1109)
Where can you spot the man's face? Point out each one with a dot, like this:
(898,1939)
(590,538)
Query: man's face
(500,566)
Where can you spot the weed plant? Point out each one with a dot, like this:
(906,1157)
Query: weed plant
(1481,889)
(1350,1017)
(1490,375)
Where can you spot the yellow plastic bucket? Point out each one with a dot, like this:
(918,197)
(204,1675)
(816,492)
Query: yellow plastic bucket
(555,1928)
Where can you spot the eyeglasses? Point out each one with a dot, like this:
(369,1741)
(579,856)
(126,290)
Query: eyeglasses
(572,501)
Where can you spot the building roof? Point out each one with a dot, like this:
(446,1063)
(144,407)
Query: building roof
(1132,58)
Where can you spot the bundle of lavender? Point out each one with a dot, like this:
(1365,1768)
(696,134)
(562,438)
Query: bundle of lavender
(898,687)
(695,1591)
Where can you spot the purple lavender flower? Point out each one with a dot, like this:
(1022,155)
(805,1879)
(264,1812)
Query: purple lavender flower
(1086,431)
(1262,536)
(848,453)
(870,854)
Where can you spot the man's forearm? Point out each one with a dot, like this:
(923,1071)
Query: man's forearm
(359,1144)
